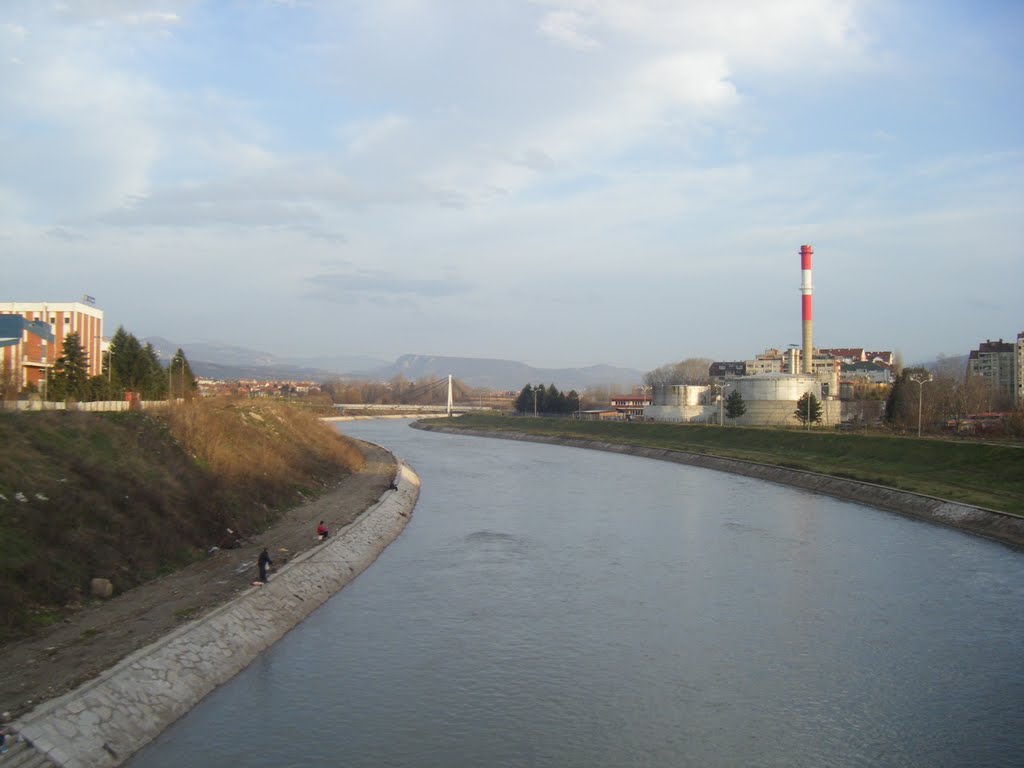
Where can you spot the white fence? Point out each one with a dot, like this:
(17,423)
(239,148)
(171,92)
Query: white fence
(97,406)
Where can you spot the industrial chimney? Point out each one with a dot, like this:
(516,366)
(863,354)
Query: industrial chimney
(805,289)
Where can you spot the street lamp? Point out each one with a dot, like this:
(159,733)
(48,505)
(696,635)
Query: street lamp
(920,380)
(721,404)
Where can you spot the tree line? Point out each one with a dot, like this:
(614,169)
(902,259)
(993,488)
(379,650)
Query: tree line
(547,400)
(128,366)
(942,398)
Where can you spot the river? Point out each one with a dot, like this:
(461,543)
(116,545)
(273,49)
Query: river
(551,606)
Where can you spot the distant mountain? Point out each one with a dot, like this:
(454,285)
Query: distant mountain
(224,361)
(507,374)
(954,365)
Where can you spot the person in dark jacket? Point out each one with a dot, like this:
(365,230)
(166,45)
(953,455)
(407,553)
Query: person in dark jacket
(264,562)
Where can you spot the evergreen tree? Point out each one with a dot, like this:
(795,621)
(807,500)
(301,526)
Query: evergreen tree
(554,401)
(575,401)
(183,382)
(70,378)
(541,394)
(524,403)
(124,351)
(734,405)
(901,405)
(152,376)
(808,405)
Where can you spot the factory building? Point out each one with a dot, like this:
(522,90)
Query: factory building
(770,384)
(770,400)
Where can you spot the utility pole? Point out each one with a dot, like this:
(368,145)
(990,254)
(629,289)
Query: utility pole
(534,402)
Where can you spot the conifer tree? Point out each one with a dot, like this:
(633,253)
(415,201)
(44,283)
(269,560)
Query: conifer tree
(808,411)
(183,381)
(734,405)
(71,372)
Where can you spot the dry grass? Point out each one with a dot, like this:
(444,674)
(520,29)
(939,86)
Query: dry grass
(263,445)
(131,496)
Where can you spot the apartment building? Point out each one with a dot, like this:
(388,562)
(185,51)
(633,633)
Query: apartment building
(31,357)
(996,362)
(1018,395)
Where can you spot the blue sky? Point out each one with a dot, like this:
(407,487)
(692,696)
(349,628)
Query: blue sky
(562,182)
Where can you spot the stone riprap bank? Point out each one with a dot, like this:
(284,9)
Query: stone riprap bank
(106,720)
(1001,526)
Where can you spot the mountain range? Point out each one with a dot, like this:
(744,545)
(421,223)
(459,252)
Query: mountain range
(223,361)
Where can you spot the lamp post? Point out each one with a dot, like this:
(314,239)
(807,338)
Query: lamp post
(535,402)
(721,404)
(920,380)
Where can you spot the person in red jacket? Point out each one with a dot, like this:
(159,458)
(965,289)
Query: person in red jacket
(321,530)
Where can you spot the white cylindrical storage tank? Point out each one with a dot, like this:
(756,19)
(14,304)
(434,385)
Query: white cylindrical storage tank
(773,386)
(677,394)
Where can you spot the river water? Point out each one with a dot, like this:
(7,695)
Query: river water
(550,606)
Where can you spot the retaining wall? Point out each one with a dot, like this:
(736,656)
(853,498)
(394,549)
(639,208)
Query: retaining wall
(106,720)
(1001,526)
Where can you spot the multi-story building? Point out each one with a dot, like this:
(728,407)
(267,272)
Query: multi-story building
(30,359)
(996,363)
(731,368)
(770,361)
(631,406)
(872,373)
(1018,395)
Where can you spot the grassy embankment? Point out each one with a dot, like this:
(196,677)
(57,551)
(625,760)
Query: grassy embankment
(131,496)
(982,474)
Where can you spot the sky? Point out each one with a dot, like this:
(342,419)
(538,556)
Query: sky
(559,182)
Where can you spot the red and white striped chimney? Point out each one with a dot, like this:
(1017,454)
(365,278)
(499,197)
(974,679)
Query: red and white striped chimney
(805,289)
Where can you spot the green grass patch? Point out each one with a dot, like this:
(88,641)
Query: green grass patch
(983,474)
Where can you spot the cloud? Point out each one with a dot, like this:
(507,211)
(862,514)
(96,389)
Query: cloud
(566,28)
(130,12)
(379,285)
(64,233)
(305,196)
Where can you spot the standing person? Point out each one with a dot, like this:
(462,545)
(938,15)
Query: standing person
(321,530)
(264,562)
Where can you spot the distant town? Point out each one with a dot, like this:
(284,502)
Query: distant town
(55,354)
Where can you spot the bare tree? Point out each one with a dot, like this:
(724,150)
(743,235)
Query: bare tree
(692,370)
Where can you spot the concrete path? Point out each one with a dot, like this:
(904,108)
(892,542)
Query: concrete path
(111,717)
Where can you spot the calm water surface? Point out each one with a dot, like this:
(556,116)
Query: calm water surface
(550,606)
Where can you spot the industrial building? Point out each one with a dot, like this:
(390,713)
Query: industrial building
(27,357)
(771,384)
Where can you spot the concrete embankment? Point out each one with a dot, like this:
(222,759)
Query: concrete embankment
(992,524)
(109,718)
